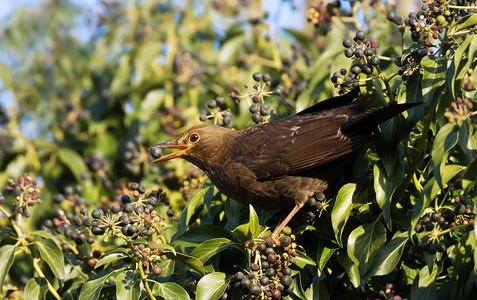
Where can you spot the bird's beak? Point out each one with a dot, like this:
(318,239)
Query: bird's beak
(171,145)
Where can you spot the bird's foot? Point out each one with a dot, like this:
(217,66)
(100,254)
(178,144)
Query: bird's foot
(270,240)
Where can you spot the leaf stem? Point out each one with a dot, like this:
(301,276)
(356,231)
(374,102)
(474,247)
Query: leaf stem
(454,228)
(40,272)
(144,281)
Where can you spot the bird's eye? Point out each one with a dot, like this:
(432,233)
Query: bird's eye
(194,137)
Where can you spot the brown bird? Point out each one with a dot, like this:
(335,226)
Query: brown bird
(279,164)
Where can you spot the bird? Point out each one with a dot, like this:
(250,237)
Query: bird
(280,164)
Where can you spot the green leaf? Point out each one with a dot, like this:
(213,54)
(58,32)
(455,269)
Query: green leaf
(35,289)
(465,22)
(317,291)
(363,243)
(73,161)
(342,209)
(170,291)
(249,230)
(457,64)
(424,285)
(446,139)
(350,267)
(211,287)
(229,50)
(52,255)
(468,178)
(5,76)
(92,288)
(115,255)
(323,254)
(187,260)
(447,171)
(7,253)
(302,259)
(193,201)
(211,247)
(128,285)
(388,256)
(433,78)
(384,188)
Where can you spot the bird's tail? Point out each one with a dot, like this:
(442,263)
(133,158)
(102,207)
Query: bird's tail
(369,122)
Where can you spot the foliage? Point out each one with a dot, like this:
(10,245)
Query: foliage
(93,89)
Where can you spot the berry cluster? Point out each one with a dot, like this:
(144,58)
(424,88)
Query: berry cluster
(461,111)
(389,293)
(410,63)
(217,112)
(150,256)
(26,193)
(191,182)
(72,119)
(365,60)
(134,155)
(255,97)
(98,165)
(270,275)
(469,79)
(438,222)
(172,118)
(134,217)
(320,15)
(3,116)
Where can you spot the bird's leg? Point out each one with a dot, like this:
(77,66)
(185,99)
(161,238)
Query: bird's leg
(276,232)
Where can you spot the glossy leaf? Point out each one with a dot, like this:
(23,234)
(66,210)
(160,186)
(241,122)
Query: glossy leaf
(211,247)
(211,287)
(170,291)
(52,255)
(128,285)
(92,288)
(187,260)
(35,289)
(342,209)
(363,244)
(113,256)
(7,253)
(388,256)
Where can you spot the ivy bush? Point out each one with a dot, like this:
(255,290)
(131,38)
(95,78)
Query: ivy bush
(85,92)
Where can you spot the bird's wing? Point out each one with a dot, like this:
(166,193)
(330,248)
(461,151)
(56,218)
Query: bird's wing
(292,145)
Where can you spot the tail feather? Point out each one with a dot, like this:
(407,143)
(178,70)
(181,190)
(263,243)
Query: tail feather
(369,122)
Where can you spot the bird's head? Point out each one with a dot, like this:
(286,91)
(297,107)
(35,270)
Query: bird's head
(199,145)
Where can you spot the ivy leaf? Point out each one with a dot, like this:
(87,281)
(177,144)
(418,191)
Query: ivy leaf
(92,288)
(424,285)
(194,200)
(52,255)
(323,254)
(211,247)
(169,291)
(187,260)
(251,229)
(388,256)
(342,209)
(115,255)
(35,289)
(212,286)
(446,139)
(363,243)
(128,285)
(7,253)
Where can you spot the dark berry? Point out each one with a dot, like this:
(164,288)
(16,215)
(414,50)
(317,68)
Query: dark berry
(87,221)
(257,76)
(287,271)
(264,109)
(391,16)
(255,99)
(276,294)
(459,209)
(266,77)
(419,228)
(90,240)
(347,42)
(139,210)
(97,213)
(129,208)
(211,104)
(253,108)
(58,198)
(254,267)
(374,60)
(349,52)
(220,100)
(426,219)
(264,280)
(270,272)
(246,283)
(286,280)
(170,213)
(435,217)
(359,52)
(441,248)
(399,20)
(125,199)
(261,247)
(115,209)
(134,186)
(202,118)
(431,249)
(285,240)
(239,275)
(355,69)
(429,226)
(360,35)
(96,230)
(256,118)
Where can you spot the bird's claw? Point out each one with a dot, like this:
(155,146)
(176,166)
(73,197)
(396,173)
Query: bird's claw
(257,240)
